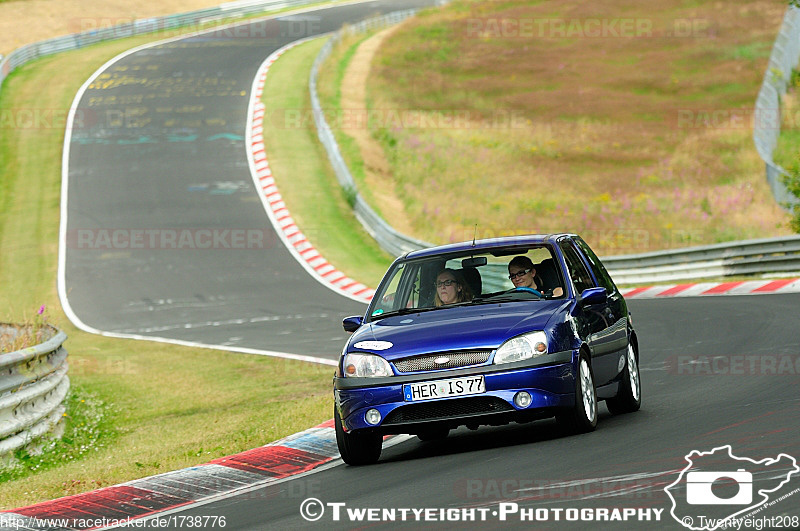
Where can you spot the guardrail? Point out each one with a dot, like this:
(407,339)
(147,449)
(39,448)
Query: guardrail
(769,255)
(201,17)
(33,386)
(387,237)
(767,124)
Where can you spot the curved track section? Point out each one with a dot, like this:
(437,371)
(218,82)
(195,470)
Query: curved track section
(164,234)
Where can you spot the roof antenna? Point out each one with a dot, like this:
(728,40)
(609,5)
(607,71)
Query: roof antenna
(474,235)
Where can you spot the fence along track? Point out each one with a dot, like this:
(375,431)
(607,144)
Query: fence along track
(33,387)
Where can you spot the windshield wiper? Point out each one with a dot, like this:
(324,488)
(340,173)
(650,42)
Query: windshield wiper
(401,311)
(506,298)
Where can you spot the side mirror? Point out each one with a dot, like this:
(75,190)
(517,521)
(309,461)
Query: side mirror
(592,296)
(351,324)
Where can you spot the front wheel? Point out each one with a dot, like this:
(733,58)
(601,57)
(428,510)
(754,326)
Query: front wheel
(356,448)
(582,417)
(629,397)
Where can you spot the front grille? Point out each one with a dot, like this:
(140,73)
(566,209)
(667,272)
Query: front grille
(427,362)
(444,409)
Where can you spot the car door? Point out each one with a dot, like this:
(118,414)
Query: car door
(618,340)
(595,322)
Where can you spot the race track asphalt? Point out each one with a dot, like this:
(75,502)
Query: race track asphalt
(166,235)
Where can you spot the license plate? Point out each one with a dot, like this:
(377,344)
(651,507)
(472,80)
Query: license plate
(470,385)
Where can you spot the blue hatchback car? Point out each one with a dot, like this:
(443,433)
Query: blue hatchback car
(485,332)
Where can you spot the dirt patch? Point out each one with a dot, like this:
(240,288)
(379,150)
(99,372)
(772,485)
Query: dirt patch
(27,21)
(378,174)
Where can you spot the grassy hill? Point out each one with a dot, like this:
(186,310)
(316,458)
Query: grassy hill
(627,122)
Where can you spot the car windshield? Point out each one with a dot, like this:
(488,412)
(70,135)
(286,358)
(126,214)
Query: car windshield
(467,278)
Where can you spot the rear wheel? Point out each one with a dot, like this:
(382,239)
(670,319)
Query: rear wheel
(629,397)
(356,448)
(583,415)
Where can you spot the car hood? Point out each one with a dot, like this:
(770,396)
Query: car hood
(484,326)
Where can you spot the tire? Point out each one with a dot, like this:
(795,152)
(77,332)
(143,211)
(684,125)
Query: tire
(629,397)
(356,448)
(435,434)
(582,417)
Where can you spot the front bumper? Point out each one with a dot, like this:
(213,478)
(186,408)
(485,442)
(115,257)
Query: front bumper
(550,380)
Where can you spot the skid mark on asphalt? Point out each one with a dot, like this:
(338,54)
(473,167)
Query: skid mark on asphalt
(227,322)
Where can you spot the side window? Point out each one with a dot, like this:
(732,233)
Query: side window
(390,300)
(598,269)
(577,271)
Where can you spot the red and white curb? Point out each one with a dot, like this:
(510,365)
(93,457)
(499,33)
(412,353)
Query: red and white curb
(140,498)
(746,287)
(276,209)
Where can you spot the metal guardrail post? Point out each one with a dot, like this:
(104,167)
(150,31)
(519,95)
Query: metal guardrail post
(33,386)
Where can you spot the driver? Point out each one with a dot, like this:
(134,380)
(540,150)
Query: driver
(451,288)
(521,273)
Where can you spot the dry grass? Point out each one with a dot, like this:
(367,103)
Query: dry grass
(26,21)
(607,136)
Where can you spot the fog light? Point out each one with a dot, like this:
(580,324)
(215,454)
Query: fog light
(373,416)
(523,399)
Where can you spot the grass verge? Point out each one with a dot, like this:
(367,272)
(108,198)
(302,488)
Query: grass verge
(304,177)
(136,408)
(616,136)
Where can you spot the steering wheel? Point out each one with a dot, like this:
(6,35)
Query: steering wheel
(529,290)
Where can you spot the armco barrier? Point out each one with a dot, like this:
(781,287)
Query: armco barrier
(769,255)
(389,239)
(33,386)
(767,127)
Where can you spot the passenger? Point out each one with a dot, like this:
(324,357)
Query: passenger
(451,288)
(521,273)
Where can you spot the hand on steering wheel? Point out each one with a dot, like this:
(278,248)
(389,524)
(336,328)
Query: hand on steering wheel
(529,290)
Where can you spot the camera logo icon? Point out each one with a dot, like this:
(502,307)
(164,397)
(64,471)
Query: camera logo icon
(699,488)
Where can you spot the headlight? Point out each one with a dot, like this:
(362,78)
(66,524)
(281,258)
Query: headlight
(522,347)
(367,365)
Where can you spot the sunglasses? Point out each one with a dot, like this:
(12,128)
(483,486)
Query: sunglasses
(518,274)
(445,283)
